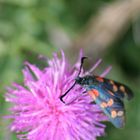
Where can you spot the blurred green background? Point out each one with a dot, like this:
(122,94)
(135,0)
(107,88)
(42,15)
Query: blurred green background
(105,29)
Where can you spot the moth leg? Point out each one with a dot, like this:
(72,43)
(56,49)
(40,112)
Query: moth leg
(93,102)
(84,92)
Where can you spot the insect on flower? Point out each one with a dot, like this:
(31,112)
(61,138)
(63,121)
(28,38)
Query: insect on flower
(36,112)
(106,93)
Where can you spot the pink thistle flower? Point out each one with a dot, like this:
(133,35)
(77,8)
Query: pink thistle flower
(37,112)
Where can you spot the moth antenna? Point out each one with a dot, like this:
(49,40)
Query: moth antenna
(82,62)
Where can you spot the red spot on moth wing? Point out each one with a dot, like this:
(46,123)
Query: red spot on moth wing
(113,114)
(115,88)
(122,88)
(111,82)
(100,79)
(93,93)
(96,92)
(110,102)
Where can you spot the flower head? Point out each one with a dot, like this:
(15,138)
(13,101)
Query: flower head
(38,113)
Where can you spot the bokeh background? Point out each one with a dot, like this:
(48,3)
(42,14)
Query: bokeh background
(107,29)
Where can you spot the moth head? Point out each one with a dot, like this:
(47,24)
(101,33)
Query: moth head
(79,80)
(86,80)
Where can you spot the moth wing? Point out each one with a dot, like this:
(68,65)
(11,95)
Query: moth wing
(116,112)
(115,88)
(112,107)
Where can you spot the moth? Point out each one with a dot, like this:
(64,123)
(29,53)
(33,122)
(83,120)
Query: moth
(106,93)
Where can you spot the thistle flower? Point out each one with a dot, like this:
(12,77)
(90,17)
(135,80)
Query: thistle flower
(37,112)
